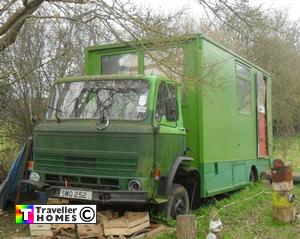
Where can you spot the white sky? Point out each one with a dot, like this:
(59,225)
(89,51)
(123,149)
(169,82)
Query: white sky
(293,6)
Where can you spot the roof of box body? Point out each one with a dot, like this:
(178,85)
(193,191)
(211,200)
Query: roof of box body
(172,41)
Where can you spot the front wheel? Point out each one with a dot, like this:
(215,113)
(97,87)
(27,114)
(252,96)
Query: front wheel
(178,201)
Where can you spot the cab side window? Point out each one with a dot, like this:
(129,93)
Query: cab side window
(166,94)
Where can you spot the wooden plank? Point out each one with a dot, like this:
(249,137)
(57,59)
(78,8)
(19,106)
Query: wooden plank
(67,234)
(90,231)
(40,230)
(155,229)
(126,231)
(136,218)
(41,233)
(66,227)
(130,219)
(115,223)
(40,227)
(107,215)
(57,201)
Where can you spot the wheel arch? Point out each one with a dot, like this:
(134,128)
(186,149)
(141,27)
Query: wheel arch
(183,173)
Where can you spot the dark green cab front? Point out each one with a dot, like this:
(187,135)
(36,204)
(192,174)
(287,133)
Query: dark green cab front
(114,158)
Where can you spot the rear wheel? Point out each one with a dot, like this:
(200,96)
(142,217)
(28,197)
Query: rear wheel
(253,176)
(178,201)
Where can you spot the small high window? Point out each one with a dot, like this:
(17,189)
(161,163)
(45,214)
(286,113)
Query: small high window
(120,64)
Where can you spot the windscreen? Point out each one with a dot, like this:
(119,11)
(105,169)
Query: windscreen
(117,99)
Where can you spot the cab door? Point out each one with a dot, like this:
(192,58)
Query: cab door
(169,133)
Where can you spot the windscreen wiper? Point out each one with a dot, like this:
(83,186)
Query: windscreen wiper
(56,115)
(103,118)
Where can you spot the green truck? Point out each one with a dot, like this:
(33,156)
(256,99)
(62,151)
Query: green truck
(125,133)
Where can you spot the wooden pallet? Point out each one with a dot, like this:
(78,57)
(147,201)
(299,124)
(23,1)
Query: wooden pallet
(43,230)
(130,223)
(57,201)
(63,227)
(106,215)
(90,231)
(64,230)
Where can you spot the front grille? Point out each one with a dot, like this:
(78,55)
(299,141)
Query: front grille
(77,181)
(109,181)
(80,162)
(88,180)
(70,179)
(51,177)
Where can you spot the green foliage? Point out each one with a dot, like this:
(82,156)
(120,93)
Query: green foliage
(3,95)
(8,147)
(288,149)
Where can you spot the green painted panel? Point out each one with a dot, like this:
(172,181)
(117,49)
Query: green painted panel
(220,132)
(231,175)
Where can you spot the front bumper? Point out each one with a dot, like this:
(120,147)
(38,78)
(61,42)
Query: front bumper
(99,196)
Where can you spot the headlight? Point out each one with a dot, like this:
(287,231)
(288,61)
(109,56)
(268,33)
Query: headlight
(34,176)
(134,185)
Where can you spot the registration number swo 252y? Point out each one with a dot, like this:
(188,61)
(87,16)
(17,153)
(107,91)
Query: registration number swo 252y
(77,194)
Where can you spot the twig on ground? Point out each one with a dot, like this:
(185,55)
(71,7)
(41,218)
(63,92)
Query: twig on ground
(245,199)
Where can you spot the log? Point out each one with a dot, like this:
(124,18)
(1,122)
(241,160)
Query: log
(287,215)
(186,226)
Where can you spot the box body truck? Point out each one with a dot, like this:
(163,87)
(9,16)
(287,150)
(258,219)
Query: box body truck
(126,132)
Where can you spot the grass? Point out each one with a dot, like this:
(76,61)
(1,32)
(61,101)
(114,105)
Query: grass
(245,214)
(9,229)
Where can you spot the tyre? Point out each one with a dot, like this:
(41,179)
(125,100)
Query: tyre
(253,177)
(178,201)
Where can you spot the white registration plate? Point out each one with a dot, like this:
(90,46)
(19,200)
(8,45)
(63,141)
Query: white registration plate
(77,194)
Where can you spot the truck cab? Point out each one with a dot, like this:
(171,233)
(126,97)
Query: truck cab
(109,139)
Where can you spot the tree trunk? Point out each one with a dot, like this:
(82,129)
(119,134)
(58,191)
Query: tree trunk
(285,214)
(186,226)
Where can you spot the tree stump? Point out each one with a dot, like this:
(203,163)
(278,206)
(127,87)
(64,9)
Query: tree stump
(186,226)
(283,199)
(284,214)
